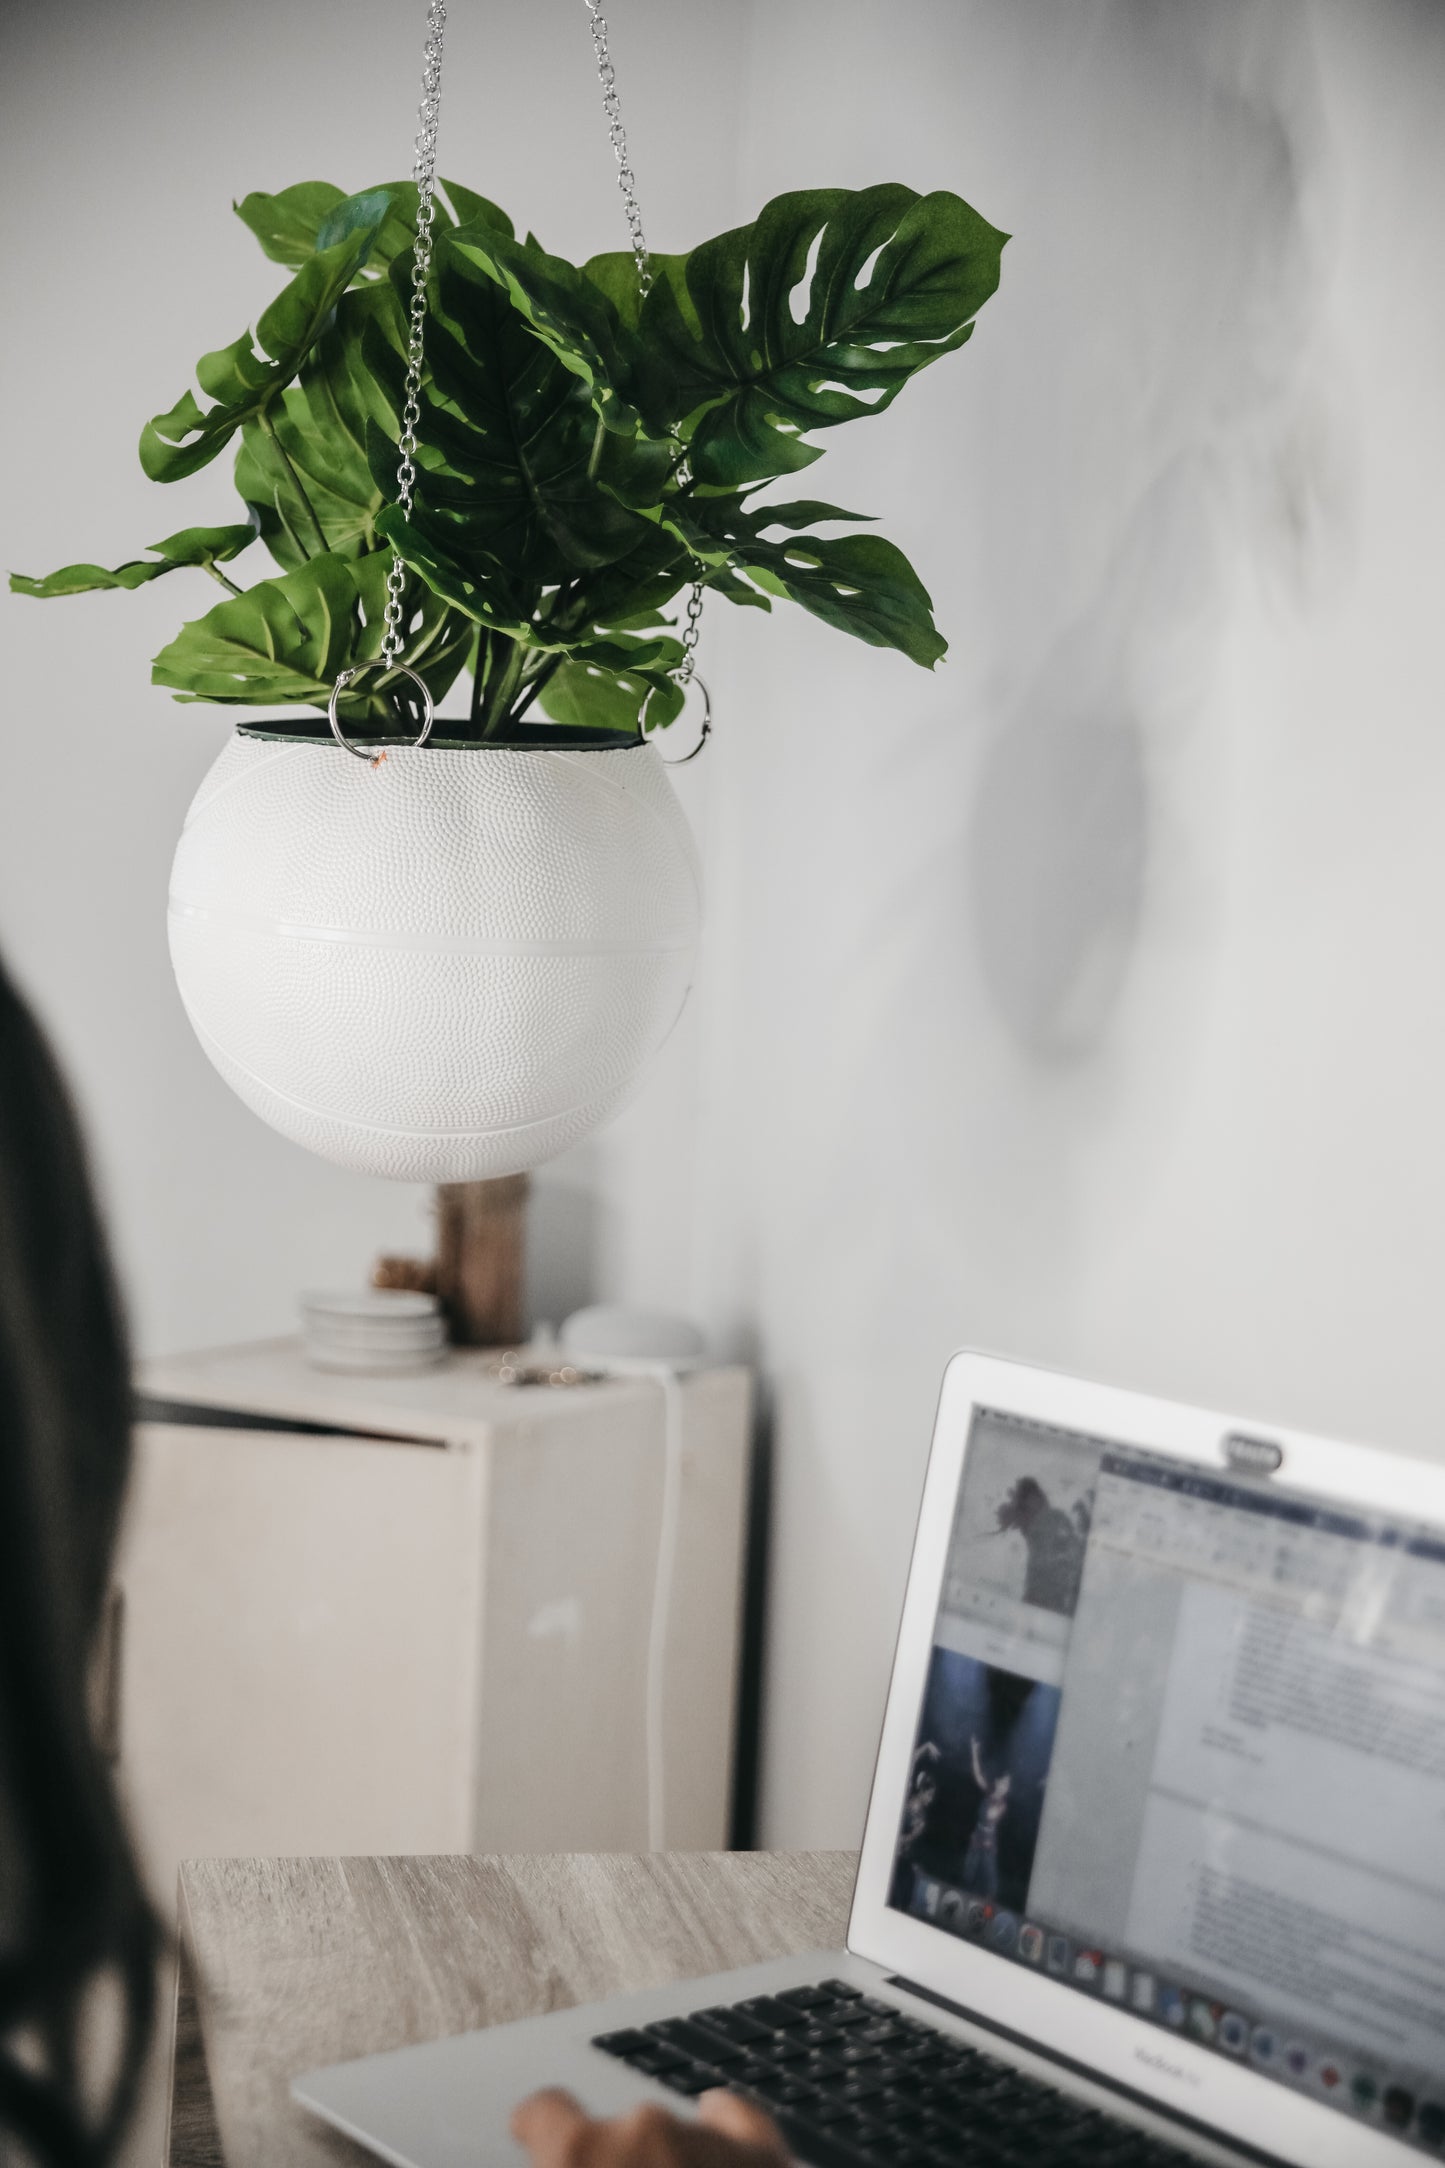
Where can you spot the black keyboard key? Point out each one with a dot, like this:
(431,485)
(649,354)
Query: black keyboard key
(692,2079)
(938,2055)
(853,2082)
(864,2130)
(771,2010)
(694,2039)
(910,2123)
(733,2025)
(862,2084)
(655,2060)
(623,2044)
(777,2091)
(821,2036)
(883,2032)
(823,2148)
(824,2111)
(781,2048)
(919,2088)
(755,2072)
(854,2052)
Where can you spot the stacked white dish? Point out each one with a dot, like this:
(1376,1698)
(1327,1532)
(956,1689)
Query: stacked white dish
(377,1331)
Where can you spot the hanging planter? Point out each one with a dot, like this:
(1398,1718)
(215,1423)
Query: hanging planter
(452,956)
(448,971)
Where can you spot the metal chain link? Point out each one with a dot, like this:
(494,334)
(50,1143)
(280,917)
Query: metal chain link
(682,675)
(642,256)
(424,168)
(626,178)
(424,174)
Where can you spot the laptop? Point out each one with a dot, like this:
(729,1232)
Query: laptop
(1153,1870)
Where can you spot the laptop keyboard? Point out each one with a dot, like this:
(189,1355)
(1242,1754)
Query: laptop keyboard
(853,2083)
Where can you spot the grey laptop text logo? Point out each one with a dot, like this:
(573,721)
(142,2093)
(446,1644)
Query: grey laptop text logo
(1153,2060)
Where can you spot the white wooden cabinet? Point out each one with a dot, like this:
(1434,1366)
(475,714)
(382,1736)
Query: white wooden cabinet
(430,1641)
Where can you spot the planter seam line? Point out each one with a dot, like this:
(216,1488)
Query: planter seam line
(388,1129)
(423,943)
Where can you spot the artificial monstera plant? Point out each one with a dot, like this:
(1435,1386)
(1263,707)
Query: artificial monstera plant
(586,452)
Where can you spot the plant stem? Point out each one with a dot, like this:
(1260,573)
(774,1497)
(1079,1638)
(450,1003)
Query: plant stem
(533,686)
(480,676)
(216,573)
(499,701)
(268,430)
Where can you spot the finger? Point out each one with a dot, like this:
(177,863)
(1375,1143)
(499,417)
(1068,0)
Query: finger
(548,2125)
(737,2118)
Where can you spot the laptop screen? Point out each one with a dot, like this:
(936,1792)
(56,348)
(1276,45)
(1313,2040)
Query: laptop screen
(1182,1748)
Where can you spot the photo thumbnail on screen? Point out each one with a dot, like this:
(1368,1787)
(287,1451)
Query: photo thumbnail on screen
(976,1795)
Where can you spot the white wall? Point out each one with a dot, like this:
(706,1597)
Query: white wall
(1081,999)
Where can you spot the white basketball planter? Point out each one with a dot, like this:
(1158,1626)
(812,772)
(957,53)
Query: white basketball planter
(446,968)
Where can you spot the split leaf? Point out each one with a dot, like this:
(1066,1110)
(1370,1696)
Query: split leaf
(292,225)
(567,312)
(817,313)
(193,546)
(246,378)
(285,641)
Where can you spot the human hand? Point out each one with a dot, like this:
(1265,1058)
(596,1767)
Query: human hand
(727,2133)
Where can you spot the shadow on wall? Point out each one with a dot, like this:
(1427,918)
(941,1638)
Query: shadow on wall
(1193,446)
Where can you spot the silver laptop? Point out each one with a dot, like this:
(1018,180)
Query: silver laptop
(1154,1864)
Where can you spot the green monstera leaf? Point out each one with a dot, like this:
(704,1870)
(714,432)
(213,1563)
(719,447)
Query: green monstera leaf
(585,452)
(817,313)
(516,466)
(480,587)
(203,546)
(286,225)
(294,224)
(585,696)
(858,582)
(245,379)
(308,467)
(487,594)
(570,314)
(284,642)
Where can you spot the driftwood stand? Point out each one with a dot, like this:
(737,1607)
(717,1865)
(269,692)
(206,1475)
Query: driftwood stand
(479,1269)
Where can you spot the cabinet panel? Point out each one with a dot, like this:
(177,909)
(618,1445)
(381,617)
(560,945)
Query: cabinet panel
(297,1670)
(576,1520)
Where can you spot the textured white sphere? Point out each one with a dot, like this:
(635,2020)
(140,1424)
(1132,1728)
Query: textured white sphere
(448,967)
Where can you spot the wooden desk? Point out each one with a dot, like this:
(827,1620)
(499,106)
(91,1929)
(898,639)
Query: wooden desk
(289,1963)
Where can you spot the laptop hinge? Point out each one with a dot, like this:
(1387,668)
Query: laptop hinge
(1191,2123)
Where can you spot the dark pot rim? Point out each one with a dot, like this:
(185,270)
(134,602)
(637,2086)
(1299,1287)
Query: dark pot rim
(522,737)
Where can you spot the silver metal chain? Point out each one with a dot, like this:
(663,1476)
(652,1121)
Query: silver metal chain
(424,174)
(626,178)
(642,256)
(692,632)
(424,171)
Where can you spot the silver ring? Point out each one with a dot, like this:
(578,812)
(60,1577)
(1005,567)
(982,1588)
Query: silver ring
(347,677)
(704,734)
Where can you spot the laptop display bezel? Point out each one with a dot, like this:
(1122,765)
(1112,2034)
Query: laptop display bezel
(1174,2072)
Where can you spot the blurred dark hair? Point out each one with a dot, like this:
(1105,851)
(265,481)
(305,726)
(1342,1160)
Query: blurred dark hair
(72,1908)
